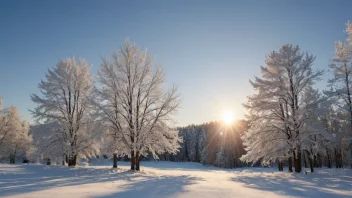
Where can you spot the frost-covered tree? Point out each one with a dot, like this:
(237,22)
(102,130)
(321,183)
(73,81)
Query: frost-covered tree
(220,160)
(341,83)
(14,138)
(279,112)
(22,145)
(341,87)
(131,102)
(9,125)
(65,96)
(190,143)
(202,150)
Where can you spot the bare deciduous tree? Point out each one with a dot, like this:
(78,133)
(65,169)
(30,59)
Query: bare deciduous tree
(65,97)
(133,105)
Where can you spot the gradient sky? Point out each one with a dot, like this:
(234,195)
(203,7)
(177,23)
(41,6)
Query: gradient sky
(210,49)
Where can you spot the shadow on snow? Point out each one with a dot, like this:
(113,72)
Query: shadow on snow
(324,183)
(21,179)
(155,187)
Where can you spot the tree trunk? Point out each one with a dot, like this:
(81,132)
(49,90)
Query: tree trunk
(315,164)
(297,162)
(75,160)
(305,161)
(311,165)
(48,162)
(329,160)
(133,161)
(72,161)
(281,167)
(63,160)
(336,160)
(12,159)
(137,161)
(115,160)
(290,164)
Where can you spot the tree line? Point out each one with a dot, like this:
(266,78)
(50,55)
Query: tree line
(214,143)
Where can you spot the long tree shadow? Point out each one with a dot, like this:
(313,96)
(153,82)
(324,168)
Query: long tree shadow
(300,185)
(155,187)
(20,179)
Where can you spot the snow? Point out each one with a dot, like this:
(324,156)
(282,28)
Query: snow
(169,179)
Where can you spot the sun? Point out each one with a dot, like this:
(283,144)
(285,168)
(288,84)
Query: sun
(227,117)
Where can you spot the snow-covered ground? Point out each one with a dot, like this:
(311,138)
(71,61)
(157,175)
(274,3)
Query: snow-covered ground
(168,179)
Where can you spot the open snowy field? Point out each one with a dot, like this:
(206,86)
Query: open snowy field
(168,179)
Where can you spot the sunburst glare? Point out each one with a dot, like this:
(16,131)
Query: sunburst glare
(227,117)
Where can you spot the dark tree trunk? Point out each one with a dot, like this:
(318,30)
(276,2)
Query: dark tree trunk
(315,164)
(48,162)
(133,161)
(305,161)
(12,159)
(66,159)
(290,164)
(63,160)
(297,162)
(281,167)
(72,161)
(311,165)
(329,160)
(336,160)
(137,161)
(115,160)
(75,160)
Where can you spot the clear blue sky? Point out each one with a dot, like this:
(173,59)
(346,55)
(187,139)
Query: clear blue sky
(210,49)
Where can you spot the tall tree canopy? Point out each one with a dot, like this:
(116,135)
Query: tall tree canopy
(280,111)
(64,99)
(130,100)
